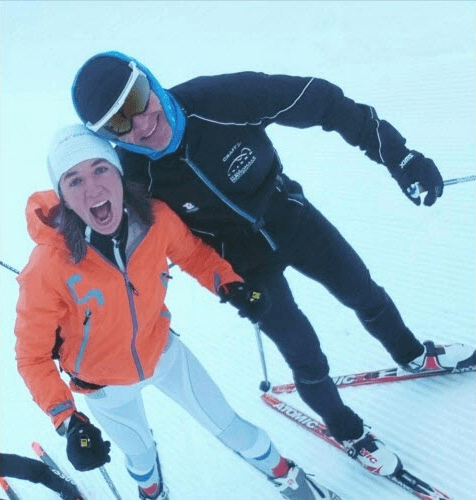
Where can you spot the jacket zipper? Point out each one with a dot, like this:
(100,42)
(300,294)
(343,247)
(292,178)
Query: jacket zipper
(227,200)
(131,290)
(223,198)
(84,342)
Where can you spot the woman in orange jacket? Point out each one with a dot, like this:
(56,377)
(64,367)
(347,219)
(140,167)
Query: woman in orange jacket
(93,291)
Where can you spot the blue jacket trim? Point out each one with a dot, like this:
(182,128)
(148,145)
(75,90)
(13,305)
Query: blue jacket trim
(65,405)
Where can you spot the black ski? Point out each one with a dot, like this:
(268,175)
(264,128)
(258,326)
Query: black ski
(8,489)
(49,461)
(46,458)
(386,375)
(402,477)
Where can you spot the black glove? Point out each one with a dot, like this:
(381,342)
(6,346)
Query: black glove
(416,168)
(86,449)
(250,302)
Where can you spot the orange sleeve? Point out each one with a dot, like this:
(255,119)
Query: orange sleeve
(39,312)
(195,257)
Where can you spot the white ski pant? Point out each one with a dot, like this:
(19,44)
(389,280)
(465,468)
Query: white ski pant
(120,411)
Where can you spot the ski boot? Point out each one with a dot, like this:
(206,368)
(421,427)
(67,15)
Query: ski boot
(158,491)
(297,485)
(160,494)
(457,357)
(372,454)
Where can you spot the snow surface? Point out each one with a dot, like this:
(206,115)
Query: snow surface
(413,61)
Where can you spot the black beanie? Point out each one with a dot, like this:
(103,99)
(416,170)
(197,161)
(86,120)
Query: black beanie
(97,85)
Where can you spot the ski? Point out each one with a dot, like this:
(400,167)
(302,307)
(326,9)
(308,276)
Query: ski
(10,492)
(46,458)
(49,461)
(402,477)
(384,376)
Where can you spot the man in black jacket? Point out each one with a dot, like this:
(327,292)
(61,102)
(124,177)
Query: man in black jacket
(202,147)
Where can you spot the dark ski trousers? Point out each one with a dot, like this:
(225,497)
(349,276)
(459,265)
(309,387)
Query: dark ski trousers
(31,470)
(309,243)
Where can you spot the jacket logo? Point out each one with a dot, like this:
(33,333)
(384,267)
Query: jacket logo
(94,294)
(241,164)
(406,160)
(190,207)
(232,150)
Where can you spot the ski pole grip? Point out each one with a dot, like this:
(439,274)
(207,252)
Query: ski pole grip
(415,190)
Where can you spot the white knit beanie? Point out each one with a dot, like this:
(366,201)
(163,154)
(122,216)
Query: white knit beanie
(74,144)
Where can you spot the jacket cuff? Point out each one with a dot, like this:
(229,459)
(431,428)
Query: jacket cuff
(61,412)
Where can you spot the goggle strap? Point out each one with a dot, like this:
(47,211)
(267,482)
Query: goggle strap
(120,100)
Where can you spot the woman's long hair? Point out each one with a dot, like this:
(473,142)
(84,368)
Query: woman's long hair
(70,225)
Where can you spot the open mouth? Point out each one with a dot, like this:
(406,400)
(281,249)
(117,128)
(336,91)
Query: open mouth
(102,211)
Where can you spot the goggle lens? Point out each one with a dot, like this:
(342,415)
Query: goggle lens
(136,103)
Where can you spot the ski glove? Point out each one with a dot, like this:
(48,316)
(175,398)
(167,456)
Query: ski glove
(86,449)
(416,168)
(250,302)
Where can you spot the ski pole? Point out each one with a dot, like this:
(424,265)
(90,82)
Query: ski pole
(265,384)
(9,267)
(110,482)
(457,180)
(416,189)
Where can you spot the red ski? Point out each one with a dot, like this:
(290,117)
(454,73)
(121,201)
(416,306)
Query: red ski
(8,489)
(402,477)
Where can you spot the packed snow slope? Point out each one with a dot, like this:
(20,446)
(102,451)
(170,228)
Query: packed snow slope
(413,61)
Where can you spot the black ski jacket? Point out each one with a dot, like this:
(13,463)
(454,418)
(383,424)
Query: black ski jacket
(223,178)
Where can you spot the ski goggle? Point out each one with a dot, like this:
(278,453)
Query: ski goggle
(132,101)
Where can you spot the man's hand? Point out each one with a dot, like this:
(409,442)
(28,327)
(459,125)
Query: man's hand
(415,168)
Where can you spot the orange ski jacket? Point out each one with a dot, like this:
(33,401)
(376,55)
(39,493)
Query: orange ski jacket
(114,324)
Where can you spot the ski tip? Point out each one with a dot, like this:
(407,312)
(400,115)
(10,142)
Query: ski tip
(443,496)
(37,448)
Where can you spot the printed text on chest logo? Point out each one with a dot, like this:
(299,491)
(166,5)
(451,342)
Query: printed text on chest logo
(241,164)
